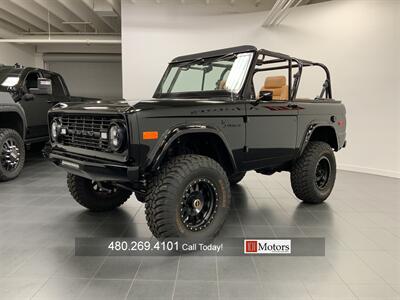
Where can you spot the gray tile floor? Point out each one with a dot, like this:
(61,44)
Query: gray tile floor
(360,221)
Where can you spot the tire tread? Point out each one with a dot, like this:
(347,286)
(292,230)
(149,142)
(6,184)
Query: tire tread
(301,181)
(79,190)
(3,133)
(167,180)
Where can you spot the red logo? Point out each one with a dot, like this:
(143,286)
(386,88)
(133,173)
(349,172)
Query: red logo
(251,246)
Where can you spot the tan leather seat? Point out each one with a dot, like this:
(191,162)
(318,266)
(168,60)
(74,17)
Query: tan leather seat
(277,85)
(221,85)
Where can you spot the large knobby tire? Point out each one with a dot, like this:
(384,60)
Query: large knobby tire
(189,198)
(236,177)
(12,154)
(87,194)
(310,182)
(140,197)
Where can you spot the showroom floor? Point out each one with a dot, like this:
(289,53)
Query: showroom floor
(360,221)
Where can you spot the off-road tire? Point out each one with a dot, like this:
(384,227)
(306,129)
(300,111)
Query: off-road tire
(166,190)
(235,178)
(303,173)
(6,134)
(83,192)
(140,197)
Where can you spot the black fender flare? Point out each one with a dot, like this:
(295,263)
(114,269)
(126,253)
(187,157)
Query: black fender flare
(16,108)
(310,130)
(159,151)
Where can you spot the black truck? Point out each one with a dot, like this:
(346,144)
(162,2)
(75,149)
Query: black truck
(205,127)
(26,95)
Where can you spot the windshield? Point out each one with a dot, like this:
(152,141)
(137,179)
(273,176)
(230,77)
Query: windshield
(217,76)
(8,78)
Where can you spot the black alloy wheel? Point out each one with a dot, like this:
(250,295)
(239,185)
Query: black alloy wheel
(322,173)
(199,204)
(314,172)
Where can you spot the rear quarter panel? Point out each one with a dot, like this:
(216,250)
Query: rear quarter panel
(322,113)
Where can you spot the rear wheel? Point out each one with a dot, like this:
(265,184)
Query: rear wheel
(189,198)
(12,154)
(96,196)
(313,175)
(236,177)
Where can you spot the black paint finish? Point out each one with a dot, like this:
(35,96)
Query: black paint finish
(256,135)
(19,108)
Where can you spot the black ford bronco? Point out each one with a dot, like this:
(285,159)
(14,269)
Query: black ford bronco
(26,95)
(206,125)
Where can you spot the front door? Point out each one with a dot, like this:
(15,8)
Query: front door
(271,132)
(35,109)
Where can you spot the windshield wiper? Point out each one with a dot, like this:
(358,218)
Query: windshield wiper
(208,62)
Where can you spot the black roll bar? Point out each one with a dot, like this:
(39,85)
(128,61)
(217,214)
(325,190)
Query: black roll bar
(293,62)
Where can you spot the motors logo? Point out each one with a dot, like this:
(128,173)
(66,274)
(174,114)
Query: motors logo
(267,246)
(250,246)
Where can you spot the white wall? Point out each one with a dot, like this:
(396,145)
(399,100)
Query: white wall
(358,40)
(13,53)
(89,75)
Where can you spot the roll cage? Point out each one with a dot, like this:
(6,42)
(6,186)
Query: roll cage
(280,61)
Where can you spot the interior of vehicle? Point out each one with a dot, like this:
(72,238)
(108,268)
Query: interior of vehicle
(278,86)
(31,80)
(275,84)
(221,84)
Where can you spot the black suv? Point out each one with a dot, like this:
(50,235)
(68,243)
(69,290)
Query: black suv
(205,126)
(26,95)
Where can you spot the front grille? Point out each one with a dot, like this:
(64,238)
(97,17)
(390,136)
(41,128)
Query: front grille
(85,131)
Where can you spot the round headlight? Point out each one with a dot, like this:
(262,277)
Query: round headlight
(55,129)
(116,136)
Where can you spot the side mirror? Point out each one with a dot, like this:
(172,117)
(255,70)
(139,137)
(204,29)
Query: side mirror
(44,87)
(265,96)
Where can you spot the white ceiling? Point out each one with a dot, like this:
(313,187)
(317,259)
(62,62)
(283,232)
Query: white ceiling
(100,20)
(34,17)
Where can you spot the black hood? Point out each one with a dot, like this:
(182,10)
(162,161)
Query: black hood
(127,106)
(98,106)
(6,98)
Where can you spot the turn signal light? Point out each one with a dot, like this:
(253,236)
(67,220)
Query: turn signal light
(150,135)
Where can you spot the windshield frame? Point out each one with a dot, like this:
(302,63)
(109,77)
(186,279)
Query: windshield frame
(207,93)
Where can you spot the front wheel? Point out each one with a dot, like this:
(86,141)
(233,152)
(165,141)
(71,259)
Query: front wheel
(12,154)
(189,198)
(95,196)
(313,175)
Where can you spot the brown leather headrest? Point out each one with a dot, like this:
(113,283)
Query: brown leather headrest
(275,82)
(221,85)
